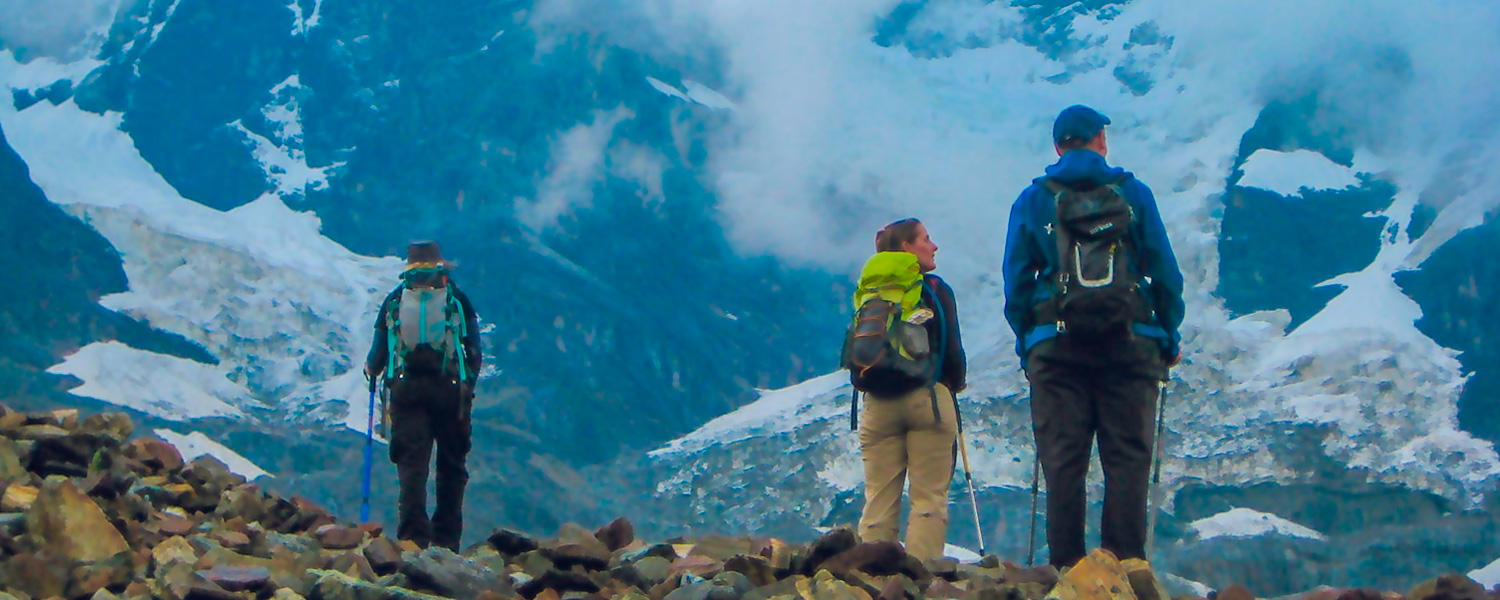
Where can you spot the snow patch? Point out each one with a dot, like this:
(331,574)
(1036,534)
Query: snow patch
(195,444)
(706,96)
(172,388)
(774,413)
(961,554)
(667,88)
(497,35)
(301,25)
(281,156)
(1288,173)
(1344,410)
(1488,575)
(1245,522)
(286,165)
(694,92)
(1173,583)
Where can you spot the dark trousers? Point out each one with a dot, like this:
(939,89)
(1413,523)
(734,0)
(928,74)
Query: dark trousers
(1078,392)
(428,411)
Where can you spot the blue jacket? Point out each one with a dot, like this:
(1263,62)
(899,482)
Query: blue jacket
(1031,253)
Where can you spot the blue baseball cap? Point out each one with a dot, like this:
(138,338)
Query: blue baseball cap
(1078,122)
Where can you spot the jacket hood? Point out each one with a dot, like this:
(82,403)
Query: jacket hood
(1082,167)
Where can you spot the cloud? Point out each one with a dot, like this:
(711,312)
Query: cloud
(1397,75)
(640,164)
(833,135)
(52,27)
(577,163)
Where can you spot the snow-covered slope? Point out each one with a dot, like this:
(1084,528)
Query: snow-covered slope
(1354,398)
(824,121)
(281,307)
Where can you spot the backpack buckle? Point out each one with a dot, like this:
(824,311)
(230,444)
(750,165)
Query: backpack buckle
(1062,326)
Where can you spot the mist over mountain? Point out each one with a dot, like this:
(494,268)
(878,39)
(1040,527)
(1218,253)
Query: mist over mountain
(657,208)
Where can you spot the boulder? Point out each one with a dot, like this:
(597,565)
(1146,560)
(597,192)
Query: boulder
(558,581)
(1451,586)
(12,467)
(1098,576)
(874,558)
(512,543)
(18,498)
(238,579)
(116,425)
(383,556)
(449,574)
(824,586)
(337,537)
(831,544)
(616,535)
(332,585)
(155,454)
(70,525)
(39,575)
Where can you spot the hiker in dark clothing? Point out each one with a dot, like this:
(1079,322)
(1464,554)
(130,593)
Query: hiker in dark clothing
(1096,336)
(427,351)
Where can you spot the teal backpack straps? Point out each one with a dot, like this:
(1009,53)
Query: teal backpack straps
(393,332)
(459,325)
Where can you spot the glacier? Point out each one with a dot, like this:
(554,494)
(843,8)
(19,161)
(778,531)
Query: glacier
(814,137)
(285,310)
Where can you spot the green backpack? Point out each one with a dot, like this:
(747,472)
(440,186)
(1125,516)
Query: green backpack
(886,348)
(425,328)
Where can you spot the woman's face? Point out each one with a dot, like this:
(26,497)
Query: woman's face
(923,247)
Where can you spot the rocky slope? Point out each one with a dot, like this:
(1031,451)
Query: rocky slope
(89,510)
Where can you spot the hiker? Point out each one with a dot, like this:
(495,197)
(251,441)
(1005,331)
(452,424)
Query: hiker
(909,423)
(427,351)
(1094,295)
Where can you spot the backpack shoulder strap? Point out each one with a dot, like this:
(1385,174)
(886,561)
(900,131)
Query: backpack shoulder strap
(937,366)
(459,325)
(937,307)
(394,363)
(1052,185)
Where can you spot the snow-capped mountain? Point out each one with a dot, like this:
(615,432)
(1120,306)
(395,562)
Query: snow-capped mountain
(657,206)
(1311,221)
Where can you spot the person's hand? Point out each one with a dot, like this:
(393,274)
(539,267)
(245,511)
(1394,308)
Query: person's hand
(1176,358)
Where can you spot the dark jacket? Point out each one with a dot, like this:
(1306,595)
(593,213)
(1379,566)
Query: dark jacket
(954,371)
(379,353)
(1031,253)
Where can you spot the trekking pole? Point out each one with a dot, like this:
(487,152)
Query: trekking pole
(1156,451)
(963,449)
(364,502)
(1036,471)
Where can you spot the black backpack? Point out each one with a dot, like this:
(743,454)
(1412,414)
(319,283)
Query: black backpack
(1096,291)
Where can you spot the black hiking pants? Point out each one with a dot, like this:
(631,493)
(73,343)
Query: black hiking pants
(428,411)
(1080,391)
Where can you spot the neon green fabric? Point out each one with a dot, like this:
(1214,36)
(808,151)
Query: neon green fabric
(892,276)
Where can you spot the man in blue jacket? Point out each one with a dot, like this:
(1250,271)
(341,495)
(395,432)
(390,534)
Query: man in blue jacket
(1094,295)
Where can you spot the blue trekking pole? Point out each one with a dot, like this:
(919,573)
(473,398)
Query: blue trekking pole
(364,503)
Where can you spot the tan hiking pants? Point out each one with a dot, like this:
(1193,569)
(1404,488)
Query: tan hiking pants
(898,439)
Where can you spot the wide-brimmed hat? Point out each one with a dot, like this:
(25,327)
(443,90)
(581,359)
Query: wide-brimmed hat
(425,255)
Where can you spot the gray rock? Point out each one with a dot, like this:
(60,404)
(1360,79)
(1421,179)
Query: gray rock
(694,591)
(653,568)
(447,573)
(333,585)
(735,581)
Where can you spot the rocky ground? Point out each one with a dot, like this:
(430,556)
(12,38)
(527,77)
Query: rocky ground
(88,512)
